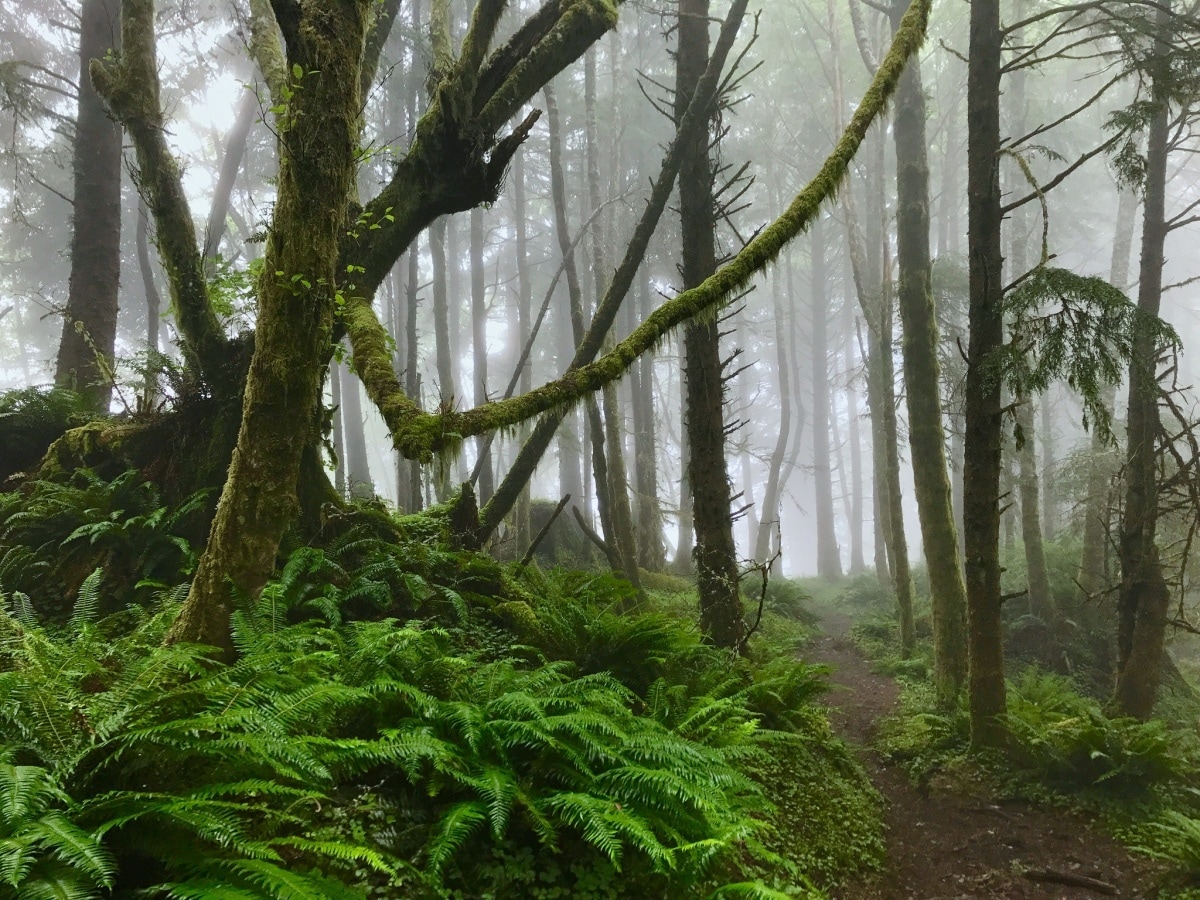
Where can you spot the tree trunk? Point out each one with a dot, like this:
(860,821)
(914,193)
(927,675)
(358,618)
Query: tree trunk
(768,521)
(153,298)
(521,520)
(1144,597)
(715,555)
(829,562)
(1091,578)
(358,469)
(283,388)
(853,427)
(248,112)
(479,354)
(338,438)
(1041,604)
(922,379)
(651,553)
(981,467)
(85,351)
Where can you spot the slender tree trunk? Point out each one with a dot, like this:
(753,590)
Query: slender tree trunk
(521,521)
(1049,495)
(1041,603)
(153,298)
(85,351)
(768,522)
(1091,577)
(715,555)
(358,469)
(412,374)
(248,112)
(922,379)
(853,426)
(487,483)
(441,338)
(1144,597)
(981,491)
(339,442)
(651,553)
(829,562)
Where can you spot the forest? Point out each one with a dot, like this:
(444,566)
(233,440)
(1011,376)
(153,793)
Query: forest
(599,449)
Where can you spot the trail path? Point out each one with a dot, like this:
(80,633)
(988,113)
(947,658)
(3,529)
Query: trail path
(946,845)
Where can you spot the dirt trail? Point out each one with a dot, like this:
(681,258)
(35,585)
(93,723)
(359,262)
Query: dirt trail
(943,845)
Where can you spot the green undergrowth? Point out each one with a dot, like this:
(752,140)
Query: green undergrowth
(402,720)
(1139,778)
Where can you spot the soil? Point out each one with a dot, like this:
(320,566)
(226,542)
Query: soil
(944,844)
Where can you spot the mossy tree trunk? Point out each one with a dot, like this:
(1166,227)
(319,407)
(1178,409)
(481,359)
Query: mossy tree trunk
(318,147)
(922,380)
(982,450)
(1144,598)
(89,334)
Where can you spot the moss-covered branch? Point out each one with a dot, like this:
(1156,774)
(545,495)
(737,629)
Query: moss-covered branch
(266,49)
(456,161)
(130,86)
(421,435)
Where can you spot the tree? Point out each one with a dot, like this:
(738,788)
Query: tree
(85,352)
(327,253)
(922,379)
(981,454)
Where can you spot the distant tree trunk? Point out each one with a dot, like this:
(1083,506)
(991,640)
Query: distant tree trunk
(853,427)
(894,509)
(521,519)
(90,323)
(487,483)
(1144,597)
(981,489)
(619,513)
(683,563)
(358,469)
(768,521)
(1091,577)
(922,379)
(715,555)
(1049,494)
(651,553)
(149,286)
(248,111)
(829,562)
(1041,603)
(339,442)
(441,336)
(411,468)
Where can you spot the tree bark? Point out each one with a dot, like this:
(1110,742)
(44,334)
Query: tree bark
(981,490)
(358,469)
(479,351)
(715,555)
(295,320)
(769,519)
(1144,597)
(651,553)
(922,379)
(85,350)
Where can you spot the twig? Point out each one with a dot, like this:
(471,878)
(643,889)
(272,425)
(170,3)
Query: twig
(1053,876)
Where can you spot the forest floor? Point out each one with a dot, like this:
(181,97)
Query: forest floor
(943,842)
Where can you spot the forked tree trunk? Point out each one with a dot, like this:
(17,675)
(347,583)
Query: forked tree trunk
(295,320)
(479,353)
(922,379)
(89,334)
(768,521)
